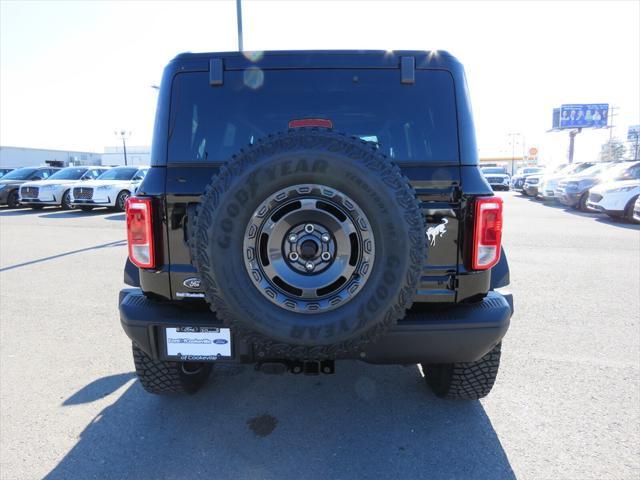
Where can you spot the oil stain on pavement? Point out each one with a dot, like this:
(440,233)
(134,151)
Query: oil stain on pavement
(263,425)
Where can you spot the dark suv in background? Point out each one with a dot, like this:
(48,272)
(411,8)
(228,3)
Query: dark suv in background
(308,207)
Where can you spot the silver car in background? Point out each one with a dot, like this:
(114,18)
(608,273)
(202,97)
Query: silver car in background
(549,183)
(56,189)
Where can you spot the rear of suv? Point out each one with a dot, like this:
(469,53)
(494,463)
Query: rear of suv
(304,208)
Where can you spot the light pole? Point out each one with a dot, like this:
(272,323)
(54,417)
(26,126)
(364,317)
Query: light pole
(123,134)
(512,142)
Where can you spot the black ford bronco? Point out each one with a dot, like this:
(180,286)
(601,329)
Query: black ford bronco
(314,206)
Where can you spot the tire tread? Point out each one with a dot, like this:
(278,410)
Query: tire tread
(161,377)
(465,380)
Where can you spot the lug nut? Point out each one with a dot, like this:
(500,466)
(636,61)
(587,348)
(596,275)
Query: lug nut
(293,237)
(326,256)
(293,256)
(309,266)
(325,237)
(309,228)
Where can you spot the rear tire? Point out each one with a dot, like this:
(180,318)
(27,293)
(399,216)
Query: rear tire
(464,380)
(162,378)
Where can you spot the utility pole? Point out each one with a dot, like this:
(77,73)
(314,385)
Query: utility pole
(123,134)
(610,116)
(572,137)
(239,21)
(513,149)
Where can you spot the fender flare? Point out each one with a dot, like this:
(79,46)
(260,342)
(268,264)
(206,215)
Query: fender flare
(500,276)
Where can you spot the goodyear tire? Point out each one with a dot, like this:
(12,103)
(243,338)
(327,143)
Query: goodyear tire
(309,244)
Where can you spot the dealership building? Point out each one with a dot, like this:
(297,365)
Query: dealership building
(15,157)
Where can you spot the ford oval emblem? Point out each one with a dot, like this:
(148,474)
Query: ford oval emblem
(192,282)
(220,341)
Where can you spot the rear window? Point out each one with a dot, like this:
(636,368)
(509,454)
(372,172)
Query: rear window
(409,123)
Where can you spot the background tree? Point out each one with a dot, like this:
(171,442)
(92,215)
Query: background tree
(612,150)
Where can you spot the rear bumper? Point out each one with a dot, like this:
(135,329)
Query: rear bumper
(460,333)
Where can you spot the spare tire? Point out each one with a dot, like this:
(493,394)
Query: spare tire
(309,244)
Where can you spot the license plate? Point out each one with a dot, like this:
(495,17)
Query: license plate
(198,343)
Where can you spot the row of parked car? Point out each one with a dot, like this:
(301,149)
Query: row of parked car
(84,187)
(612,188)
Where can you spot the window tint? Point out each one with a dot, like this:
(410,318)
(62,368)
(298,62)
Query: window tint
(620,171)
(118,174)
(580,167)
(40,175)
(409,123)
(19,174)
(498,170)
(91,174)
(71,173)
(597,169)
(140,174)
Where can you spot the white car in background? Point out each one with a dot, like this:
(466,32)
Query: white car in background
(616,199)
(497,177)
(111,189)
(56,189)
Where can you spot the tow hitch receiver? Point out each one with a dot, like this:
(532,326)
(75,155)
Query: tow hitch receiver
(278,367)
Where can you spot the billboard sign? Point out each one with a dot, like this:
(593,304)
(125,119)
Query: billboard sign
(633,133)
(589,115)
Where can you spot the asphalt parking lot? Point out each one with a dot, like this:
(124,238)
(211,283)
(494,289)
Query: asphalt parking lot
(566,403)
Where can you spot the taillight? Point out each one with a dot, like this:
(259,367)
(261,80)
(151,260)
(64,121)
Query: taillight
(487,233)
(140,232)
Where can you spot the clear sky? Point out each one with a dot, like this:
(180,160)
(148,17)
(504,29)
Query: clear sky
(72,72)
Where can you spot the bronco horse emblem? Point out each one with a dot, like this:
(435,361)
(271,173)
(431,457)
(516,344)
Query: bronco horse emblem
(437,231)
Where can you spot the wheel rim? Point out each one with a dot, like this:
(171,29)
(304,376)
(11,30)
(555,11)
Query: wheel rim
(309,248)
(123,200)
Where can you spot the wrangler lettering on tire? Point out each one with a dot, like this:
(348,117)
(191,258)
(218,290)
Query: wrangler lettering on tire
(309,243)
